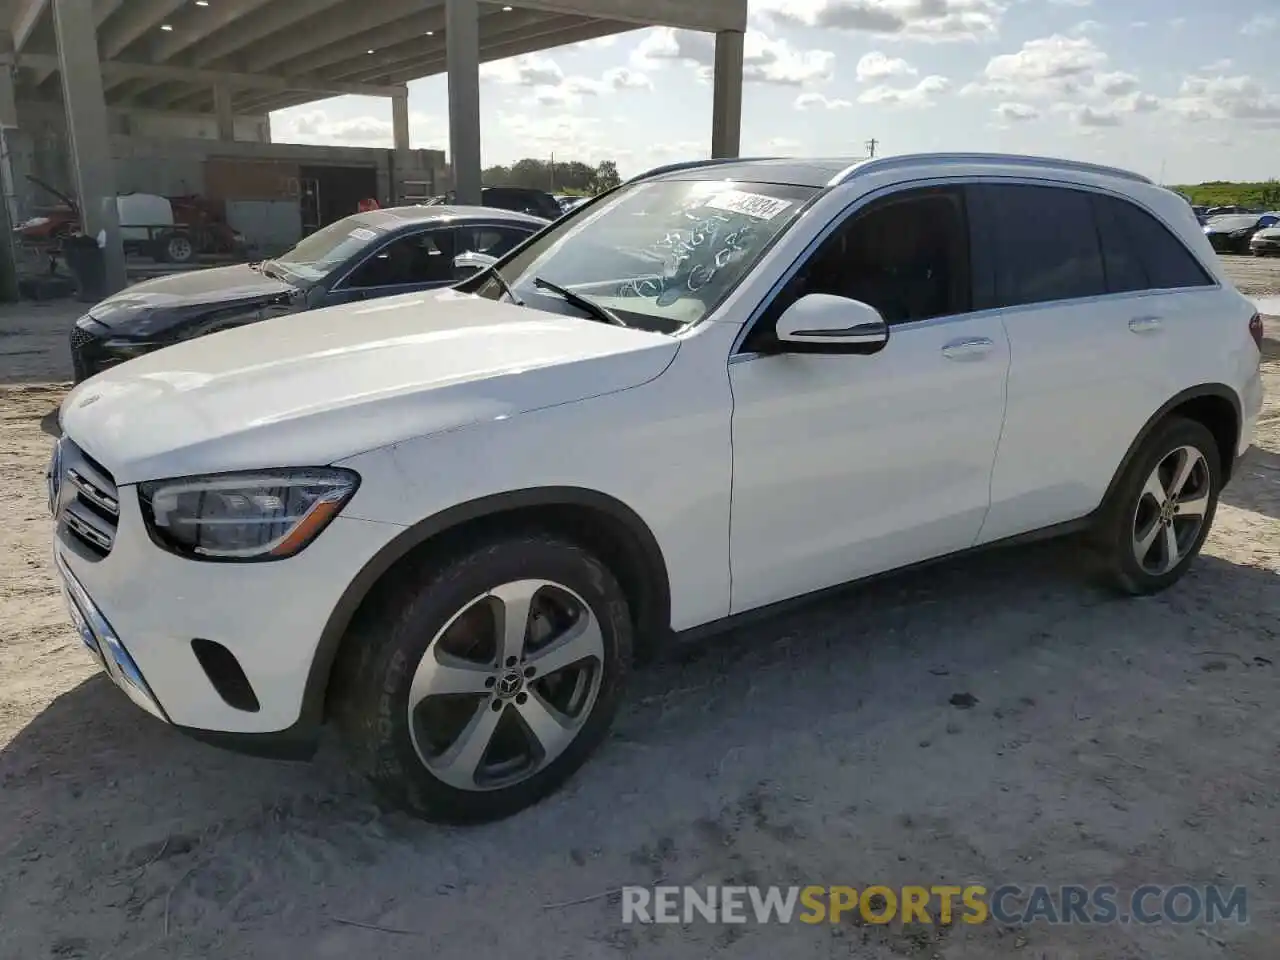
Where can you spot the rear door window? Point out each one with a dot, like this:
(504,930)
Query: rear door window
(1131,236)
(1046,244)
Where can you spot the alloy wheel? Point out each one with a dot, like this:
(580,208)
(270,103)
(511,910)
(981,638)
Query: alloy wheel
(506,685)
(1171,510)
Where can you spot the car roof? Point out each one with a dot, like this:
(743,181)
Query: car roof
(830,171)
(783,170)
(391,218)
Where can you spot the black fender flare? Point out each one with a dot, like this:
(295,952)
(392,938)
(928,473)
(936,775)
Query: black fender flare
(1218,390)
(651,559)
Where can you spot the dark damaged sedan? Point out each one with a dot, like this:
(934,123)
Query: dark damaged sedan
(375,254)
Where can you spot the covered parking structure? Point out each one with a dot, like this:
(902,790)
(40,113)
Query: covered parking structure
(232,59)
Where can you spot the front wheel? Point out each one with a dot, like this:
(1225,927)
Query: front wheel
(477,686)
(1162,509)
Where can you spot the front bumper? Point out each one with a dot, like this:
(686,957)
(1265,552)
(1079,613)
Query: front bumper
(100,637)
(139,609)
(1264,246)
(91,351)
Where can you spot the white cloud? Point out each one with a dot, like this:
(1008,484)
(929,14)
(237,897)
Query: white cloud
(1049,65)
(599,43)
(764,60)
(568,135)
(622,78)
(550,85)
(1086,27)
(1017,112)
(1137,103)
(1086,115)
(530,70)
(921,95)
(1217,67)
(1115,84)
(935,20)
(1071,3)
(316,125)
(816,101)
(876,66)
(1227,98)
(1260,24)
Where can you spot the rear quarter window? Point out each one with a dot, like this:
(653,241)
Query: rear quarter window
(1132,236)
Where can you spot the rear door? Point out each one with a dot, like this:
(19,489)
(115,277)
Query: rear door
(1091,289)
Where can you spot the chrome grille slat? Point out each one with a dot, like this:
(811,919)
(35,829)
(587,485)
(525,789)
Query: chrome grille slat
(93,492)
(88,503)
(82,523)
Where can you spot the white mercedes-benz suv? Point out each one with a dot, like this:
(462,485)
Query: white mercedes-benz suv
(448,521)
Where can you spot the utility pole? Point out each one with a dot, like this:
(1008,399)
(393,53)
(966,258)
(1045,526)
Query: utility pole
(871,147)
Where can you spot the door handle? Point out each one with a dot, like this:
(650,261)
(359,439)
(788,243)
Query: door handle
(974,348)
(1148,324)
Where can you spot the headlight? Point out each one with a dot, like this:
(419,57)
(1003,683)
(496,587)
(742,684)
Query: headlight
(259,515)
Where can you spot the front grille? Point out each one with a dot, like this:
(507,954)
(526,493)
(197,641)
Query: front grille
(87,502)
(80,336)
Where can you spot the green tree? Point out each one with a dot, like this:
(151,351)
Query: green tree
(606,176)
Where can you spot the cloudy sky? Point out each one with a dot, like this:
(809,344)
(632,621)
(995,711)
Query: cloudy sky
(1189,87)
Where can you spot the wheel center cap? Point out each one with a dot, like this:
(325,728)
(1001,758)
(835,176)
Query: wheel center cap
(510,684)
(1167,511)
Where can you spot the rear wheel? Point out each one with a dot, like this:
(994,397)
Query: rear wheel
(480,684)
(176,248)
(1162,509)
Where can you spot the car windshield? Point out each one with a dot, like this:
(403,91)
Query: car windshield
(315,256)
(659,255)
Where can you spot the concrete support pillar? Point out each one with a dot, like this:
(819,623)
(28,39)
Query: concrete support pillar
(400,121)
(462,56)
(726,110)
(87,131)
(225,113)
(9,206)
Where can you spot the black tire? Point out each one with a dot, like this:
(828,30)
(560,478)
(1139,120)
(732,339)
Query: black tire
(1117,528)
(175,247)
(391,637)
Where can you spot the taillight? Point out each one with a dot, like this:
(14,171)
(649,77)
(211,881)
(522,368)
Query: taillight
(1255,329)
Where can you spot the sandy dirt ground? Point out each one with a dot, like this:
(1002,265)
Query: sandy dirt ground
(1113,741)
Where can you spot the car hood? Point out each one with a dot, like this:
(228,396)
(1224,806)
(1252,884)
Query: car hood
(1268,233)
(219,285)
(313,388)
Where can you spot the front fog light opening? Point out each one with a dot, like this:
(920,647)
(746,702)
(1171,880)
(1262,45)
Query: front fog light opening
(263,515)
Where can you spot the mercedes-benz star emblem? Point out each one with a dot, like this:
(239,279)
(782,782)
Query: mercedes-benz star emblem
(510,685)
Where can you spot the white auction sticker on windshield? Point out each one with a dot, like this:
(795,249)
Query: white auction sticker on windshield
(360,233)
(750,204)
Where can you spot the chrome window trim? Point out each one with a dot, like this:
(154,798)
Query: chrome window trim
(864,200)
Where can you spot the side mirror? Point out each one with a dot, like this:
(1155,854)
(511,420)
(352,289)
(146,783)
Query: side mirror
(822,323)
(470,263)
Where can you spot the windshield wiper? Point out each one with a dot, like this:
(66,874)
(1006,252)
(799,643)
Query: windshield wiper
(506,287)
(603,314)
(267,271)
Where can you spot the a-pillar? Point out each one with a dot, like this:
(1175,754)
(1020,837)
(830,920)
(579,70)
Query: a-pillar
(726,109)
(462,58)
(225,112)
(87,131)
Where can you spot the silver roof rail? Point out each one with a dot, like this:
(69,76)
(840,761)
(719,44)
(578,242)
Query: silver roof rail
(694,165)
(1044,163)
